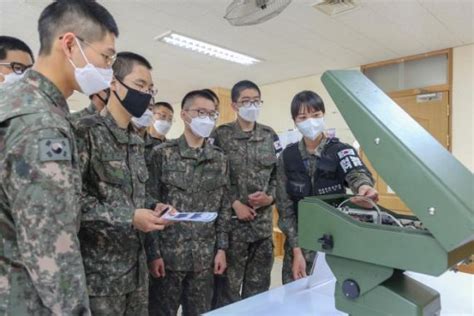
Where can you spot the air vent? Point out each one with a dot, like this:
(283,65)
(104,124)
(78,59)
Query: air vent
(336,7)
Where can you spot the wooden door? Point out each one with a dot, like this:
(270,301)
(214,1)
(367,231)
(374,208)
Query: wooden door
(226,113)
(432,112)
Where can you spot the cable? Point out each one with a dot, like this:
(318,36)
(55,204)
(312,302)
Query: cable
(379,213)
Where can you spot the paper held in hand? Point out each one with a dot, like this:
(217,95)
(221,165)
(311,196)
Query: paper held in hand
(204,217)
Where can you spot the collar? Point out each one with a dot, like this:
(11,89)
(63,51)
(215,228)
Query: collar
(123,136)
(206,152)
(307,155)
(49,90)
(254,135)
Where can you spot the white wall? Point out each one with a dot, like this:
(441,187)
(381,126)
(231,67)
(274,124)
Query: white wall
(463,104)
(277,99)
(278,96)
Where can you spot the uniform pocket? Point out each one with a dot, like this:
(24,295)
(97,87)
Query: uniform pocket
(175,176)
(111,168)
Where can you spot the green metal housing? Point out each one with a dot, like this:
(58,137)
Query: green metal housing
(434,185)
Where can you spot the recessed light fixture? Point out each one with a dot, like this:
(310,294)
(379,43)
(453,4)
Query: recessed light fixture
(336,7)
(201,47)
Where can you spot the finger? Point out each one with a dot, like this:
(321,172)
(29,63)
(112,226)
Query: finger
(162,270)
(295,275)
(253,213)
(154,227)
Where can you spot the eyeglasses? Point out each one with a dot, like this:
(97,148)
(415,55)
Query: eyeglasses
(17,68)
(109,59)
(213,115)
(140,87)
(246,103)
(163,117)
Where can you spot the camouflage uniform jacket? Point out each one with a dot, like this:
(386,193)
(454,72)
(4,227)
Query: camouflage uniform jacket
(90,110)
(287,220)
(252,158)
(39,195)
(150,143)
(191,180)
(114,176)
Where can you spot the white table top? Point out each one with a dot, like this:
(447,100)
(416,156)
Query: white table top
(295,299)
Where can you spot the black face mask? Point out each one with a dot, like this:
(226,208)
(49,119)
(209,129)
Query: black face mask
(104,100)
(135,102)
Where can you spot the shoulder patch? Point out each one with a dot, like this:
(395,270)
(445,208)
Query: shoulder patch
(211,140)
(277,144)
(346,152)
(54,149)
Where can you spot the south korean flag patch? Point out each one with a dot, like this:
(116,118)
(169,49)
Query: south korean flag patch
(277,145)
(346,152)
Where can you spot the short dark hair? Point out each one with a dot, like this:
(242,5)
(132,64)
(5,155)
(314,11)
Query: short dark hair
(308,99)
(8,43)
(125,62)
(190,96)
(214,95)
(241,86)
(86,18)
(162,104)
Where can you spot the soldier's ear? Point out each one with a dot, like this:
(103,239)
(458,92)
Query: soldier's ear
(113,84)
(67,43)
(234,106)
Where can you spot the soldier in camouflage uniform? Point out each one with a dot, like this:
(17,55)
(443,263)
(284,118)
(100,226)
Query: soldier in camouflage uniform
(15,58)
(41,270)
(316,165)
(162,120)
(192,176)
(114,175)
(252,150)
(98,102)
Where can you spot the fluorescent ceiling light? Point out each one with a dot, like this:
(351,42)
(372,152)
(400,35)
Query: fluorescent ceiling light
(206,48)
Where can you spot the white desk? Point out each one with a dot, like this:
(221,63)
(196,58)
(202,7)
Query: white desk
(295,299)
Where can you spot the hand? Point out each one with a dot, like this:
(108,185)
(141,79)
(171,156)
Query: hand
(157,268)
(299,264)
(259,199)
(160,208)
(220,263)
(146,220)
(244,213)
(368,192)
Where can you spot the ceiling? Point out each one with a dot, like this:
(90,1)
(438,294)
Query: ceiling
(299,42)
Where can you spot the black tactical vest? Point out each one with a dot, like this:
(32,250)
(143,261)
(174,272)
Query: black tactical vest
(336,161)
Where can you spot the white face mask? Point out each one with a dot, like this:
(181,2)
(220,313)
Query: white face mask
(202,127)
(91,79)
(311,128)
(162,127)
(11,77)
(249,113)
(143,121)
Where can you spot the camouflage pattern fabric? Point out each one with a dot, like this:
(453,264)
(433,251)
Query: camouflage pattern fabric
(89,110)
(192,180)
(252,158)
(250,273)
(114,175)
(41,270)
(192,290)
